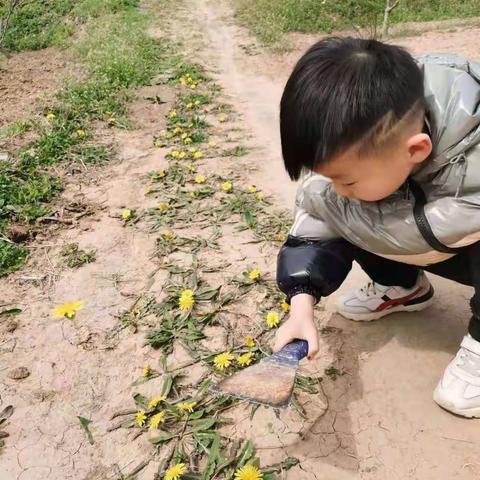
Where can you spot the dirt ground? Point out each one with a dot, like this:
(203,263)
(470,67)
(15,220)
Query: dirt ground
(27,76)
(376,421)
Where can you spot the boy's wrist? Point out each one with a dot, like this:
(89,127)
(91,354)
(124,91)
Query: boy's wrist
(302,306)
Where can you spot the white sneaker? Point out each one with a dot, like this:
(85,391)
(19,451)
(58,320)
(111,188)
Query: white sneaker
(374,301)
(459,389)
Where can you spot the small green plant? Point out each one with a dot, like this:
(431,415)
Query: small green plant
(333,372)
(12,257)
(75,257)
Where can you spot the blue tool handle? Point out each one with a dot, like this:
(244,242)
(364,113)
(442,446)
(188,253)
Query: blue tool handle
(293,351)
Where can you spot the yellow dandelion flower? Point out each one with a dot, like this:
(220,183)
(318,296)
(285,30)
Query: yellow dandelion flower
(148,190)
(252,189)
(161,174)
(175,153)
(281,237)
(168,235)
(187,300)
(212,143)
(163,207)
(182,155)
(172,114)
(156,400)
(248,472)
(68,309)
(200,179)
(192,194)
(112,120)
(285,306)
(177,130)
(187,406)
(51,116)
(141,417)
(189,124)
(184,136)
(189,105)
(193,86)
(192,149)
(197,102)
(273,319)
(80,133)
(187,141)
(222,119)
(135,311)
(175,472)
(156,420)
(254,274)
(245,359)
(223,360)
(249,342)
(198,155)
(169,135)
(260,196)
(227,186)
(190,167)
(126,214)
(147,371)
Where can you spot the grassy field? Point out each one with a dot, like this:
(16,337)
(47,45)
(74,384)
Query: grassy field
(116,54)
(270,19)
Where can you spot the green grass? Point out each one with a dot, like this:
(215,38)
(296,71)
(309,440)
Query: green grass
(14,129)
(270,19)
(117,55)
(43,23)
(39,24)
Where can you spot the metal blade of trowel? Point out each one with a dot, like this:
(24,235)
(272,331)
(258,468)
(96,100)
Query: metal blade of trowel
(269,382)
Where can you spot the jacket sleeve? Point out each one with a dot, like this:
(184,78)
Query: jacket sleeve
(313,259)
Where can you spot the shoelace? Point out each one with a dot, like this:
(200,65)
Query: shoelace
(369,288)
(469,362)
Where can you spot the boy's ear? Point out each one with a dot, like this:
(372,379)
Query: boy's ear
(419,147)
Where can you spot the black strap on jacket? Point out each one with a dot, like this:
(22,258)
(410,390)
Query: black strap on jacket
(422,221)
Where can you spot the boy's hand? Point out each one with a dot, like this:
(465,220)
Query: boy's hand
(299,325)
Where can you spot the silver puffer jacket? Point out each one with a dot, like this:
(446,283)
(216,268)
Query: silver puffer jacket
(438,210)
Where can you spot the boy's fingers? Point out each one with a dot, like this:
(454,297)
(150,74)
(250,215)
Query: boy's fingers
(312,348)
(281,342)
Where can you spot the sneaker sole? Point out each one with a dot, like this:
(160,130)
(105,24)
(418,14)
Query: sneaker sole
(415,305)
(465,412)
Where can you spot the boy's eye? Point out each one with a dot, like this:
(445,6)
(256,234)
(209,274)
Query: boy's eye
(350,184)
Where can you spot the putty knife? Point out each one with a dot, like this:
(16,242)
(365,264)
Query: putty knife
(269,382)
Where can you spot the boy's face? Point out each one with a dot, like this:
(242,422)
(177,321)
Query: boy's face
(375,177)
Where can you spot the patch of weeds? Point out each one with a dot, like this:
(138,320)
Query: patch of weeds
(12,257)
(308,384)
(195,99)
(38,24)
(24,192)
(237,151)
(75,257)
(168,243)
(86,9)
(333,372)
(15,129)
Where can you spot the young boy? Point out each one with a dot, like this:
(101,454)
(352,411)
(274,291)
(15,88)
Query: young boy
(389,147)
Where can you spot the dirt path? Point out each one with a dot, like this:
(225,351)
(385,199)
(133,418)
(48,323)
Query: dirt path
(380,421)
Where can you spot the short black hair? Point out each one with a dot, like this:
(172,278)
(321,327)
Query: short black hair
(341,91)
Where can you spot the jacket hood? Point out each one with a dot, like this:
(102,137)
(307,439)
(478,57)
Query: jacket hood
(452,92)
